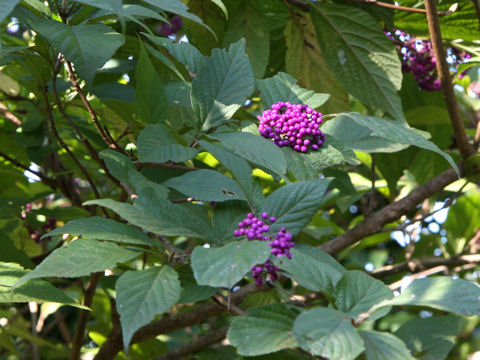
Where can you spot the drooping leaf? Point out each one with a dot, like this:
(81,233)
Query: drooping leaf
(305,62)
(283,87)
(157,144)
(80,258)
(33,290)
(300,166)
(457,296)
(191,291)
(206,185)
(221,86)
(328,333)
(255,149)
(118,164)
(248,21)
(226,265)
(143,294)
(332,152)
(312,268)
(99,228)
(184,52)
(373,134)
(384,346)
(360,55)
(264,330)
(150,97)
(358,292)
(295,204)
(432,337)
(87,46)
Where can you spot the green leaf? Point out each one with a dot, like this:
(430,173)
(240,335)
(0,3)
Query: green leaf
(384,346)
(157,144)
(99,228)
(306,63)
(241,171)
(264,330)
(358,292)
(312,268)
(373,134)
(295,204)
(220,4)
(328,333)
(177,7)
(222,84)
(206,185)
(226,265)
(248,21)
(80,258)
(457,296)
(184,52)
(191,291)
(89,47)
(432,337)
(118,164)
(159,215)
(255,149)
(6,7)
(332,152)
(112,6)
(150,97)
(360,55)
(283,87)
(33,290)
(226,217)
(300,166)
(10,253)
(143,294)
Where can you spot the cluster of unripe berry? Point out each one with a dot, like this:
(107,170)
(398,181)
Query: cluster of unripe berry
(292,125)
(419,59)
(254,229)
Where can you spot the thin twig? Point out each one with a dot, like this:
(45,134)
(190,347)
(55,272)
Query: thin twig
(9,115)
(42,176)
(443,70)
(305,7)
(112,144)
(83,316)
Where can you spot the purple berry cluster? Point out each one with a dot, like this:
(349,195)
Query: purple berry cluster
(254,229)
(419,59)
(167,29)
(292,125)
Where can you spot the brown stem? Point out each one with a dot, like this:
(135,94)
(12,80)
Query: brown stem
(107,139)
(374,223)
(83,316)
(114,343)
(10,116)
(84,140)
(45,179)
(196,345)
(424,264)
(464,146)
(67,149)
(304,6)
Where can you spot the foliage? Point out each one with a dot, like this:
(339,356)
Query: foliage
(145,213)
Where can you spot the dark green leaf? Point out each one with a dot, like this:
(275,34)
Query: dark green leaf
(264,330)
(206,185)
(118,164)
(6,7)
(360,55)
(255,149)
(384,346)
(222,85)
(143,294)
(225,266)
(87,46)
(283,87)
(99,228)
(80,258)
(328,333)
(312,268)
(295,204)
